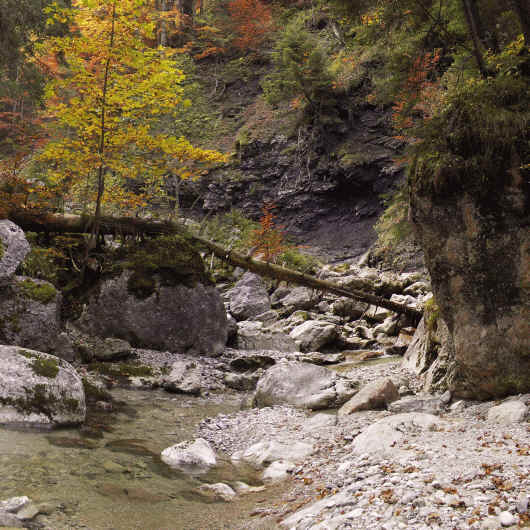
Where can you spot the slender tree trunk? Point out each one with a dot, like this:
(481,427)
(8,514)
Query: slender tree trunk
(132,226)
(101,148)
(470,11)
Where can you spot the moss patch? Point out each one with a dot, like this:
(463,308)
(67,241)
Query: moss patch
(45,367)
(121,369)
(432,314)
(1,250)
(166,261)
(40,292)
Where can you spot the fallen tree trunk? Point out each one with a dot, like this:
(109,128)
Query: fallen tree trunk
(54,223)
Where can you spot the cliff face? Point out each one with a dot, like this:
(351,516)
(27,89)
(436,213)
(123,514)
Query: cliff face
(476,246)
(326,182)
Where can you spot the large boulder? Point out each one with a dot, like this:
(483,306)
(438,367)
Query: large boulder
(473,229)
(255,336)
(30,314)
(509,412)
(249,297)
(314,334)
(13,249)
(162,299)
(302,385)
(39,389)
(375,395)
(383,436)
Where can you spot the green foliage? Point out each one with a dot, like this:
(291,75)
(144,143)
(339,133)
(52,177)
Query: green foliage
(301,67)
(431,314)
(40,292)
(393,226)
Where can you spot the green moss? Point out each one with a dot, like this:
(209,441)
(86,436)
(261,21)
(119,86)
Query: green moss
(45,367)
(432,314)
(94,393)
(121,369)
(165,261)
(1,250)
(40,292)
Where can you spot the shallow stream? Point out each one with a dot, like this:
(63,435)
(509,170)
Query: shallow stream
(118,482)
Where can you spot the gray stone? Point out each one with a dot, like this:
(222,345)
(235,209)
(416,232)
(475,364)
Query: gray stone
(319,358)
(300,298)
(174,318)
(13,249)
(245,381)
(513,411)
(314,334)
(262,454)
(28,512)
(39,389)
(383,436)
(430,405)
(507,519)
(302,385)
(522,502)
(185,378)
(9,520)
(255,336)
(64,347)
(109,349)
(14,504)
(249,297)
(277,471)
(376,395)
(190,457)
(231,329)
(218,492)
(346,307)
(29,314)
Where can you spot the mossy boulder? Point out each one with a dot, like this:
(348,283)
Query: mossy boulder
(39,389)
(13,249)
(30,314)
(159,296)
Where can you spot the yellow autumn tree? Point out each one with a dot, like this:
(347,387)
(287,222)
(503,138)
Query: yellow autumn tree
(109,109)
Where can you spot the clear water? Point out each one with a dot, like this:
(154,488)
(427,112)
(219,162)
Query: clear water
(120,483)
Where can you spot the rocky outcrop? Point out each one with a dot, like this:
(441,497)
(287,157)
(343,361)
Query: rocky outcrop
(302,385)
(162,300)
(476,243)
(249,297)
(13,249)
(30,314)
(39,389)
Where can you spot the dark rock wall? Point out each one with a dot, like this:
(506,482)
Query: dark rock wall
(326,183)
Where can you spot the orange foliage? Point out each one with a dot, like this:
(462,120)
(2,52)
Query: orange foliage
(268,239)
(417,93)
(252,21)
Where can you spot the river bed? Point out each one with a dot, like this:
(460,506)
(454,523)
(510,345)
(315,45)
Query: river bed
(118,482)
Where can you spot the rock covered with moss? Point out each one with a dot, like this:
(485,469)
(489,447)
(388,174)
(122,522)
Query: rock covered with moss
(30,314)
(13,249)
(160,298)
(39,389)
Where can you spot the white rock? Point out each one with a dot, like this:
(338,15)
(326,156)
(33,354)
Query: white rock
(507,519)
(218,491)
(261,454)
(277,471)
(314,334)
(508,412)
(190,457)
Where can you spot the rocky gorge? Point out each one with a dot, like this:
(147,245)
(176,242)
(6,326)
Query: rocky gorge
(333,413)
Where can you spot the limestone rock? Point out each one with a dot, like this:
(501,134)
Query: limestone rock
(190,457)
(185,378)
(255,336)
(249,297)
(376,395)
(346,307)
(508,412)
(13,249)
(178,318)
(29,314)
(217,492)
(277,471)
(430,405)
(302,385)
(262,454)
(314,334)
(109,349)
(383,436)
(39,389)
(300,298)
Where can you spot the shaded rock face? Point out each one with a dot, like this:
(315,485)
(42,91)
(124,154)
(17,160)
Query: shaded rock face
(30,314)
(13,249)
(326,186)
(476,245)
(174,318)
(249,297)
(39,389)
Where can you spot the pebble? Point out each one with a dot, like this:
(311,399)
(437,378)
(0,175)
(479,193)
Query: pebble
(507,519)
